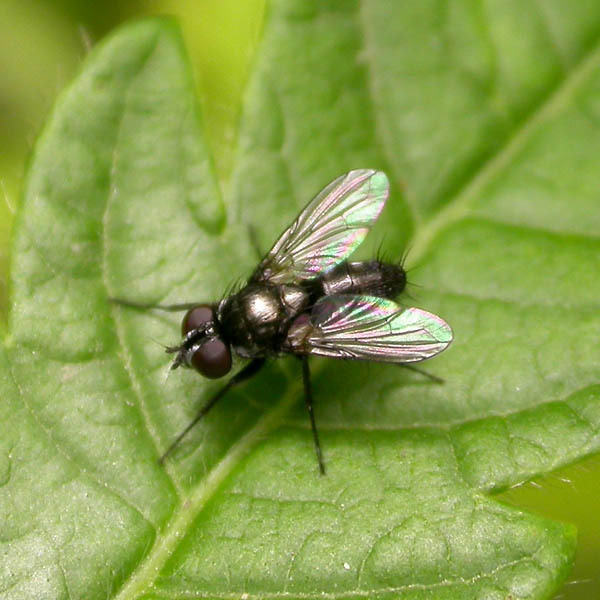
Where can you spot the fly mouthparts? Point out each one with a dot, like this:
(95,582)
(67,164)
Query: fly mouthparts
(176,363)
(178,360)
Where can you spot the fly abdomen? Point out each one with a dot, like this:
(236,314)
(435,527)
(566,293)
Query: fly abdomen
(369,278)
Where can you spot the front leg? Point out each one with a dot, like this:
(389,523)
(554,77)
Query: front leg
(248,371)
(147,306)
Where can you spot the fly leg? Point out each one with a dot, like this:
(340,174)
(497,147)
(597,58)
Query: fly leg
(248,371)
(147,306)
(254,241)
(308,399)
(433,378)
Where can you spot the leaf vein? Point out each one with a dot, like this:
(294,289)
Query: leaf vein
(84,473)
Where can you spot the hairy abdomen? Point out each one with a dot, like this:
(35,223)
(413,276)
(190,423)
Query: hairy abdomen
(368,278)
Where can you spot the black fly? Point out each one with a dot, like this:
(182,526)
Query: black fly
(305,298)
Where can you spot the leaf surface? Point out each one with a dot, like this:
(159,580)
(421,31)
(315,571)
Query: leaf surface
(494,153)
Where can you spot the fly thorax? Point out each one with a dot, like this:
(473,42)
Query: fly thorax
(261,308)
(251,320)
(294,299)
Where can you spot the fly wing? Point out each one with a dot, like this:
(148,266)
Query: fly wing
(328,230)
(369,328)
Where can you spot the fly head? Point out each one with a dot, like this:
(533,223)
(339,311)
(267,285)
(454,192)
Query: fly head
(202,348)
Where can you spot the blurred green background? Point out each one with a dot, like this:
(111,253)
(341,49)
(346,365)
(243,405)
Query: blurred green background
(42,43)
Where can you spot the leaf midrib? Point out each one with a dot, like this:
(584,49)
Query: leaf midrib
(452,212)
(189,510)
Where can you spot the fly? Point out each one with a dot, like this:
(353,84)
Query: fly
(305,298)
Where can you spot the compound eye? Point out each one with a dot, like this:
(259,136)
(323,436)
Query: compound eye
(212,359)
(197,317)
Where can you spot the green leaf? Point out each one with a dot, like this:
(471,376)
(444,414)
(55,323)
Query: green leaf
(486,118)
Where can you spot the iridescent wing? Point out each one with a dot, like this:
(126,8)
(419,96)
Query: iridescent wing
(368,328)
(328,230)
